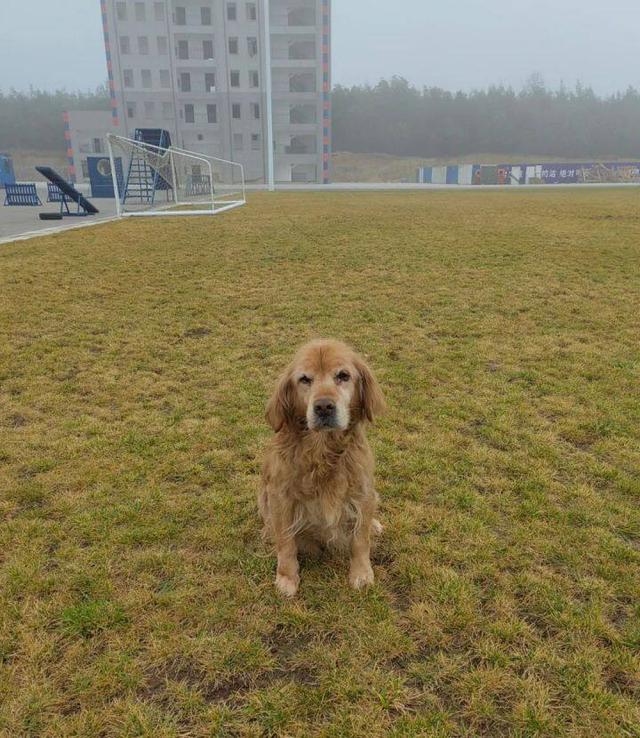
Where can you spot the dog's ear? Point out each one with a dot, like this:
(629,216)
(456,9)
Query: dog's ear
(371,397)
(280,408)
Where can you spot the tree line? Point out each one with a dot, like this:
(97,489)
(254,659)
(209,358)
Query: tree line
(33,120)
(395,117)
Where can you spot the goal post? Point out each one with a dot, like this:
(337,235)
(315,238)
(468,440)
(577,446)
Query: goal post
(154,180)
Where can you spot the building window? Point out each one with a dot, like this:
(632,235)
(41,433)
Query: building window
(163,46)
(189,114)
(255,111)
(205,16)
(143,45)
(181,16)
(234,78)
(140,12)
(149,109)
(97,145)
(238,143)
(303,114)
(121,11)
(167,110)
(131,110)
(254,79)
(165,79)
(127,77)
(183,49)
(233,45)
(125,47)
(146,78)
(185,81)
(236,111)
(207,49)
(252,12)
(212,114)
(255,141)
(304,82)
(232,11)
(159,11)
(210,81)
(252,46)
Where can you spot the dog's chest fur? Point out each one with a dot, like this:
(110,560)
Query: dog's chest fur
(328,485)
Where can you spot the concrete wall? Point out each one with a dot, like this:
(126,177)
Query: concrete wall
(85,134)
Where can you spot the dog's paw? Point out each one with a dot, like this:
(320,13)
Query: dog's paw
(361,576)
(287,586)
(376,527)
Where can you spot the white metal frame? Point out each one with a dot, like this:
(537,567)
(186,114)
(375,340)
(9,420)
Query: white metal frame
(269,95)
(218,205)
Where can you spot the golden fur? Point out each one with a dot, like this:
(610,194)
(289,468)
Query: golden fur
(317,480)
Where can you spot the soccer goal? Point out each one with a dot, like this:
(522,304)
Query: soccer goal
(152,177)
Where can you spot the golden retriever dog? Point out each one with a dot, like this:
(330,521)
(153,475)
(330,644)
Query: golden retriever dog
(317,480)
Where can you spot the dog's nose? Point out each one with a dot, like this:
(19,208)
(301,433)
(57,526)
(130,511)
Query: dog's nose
(324,408)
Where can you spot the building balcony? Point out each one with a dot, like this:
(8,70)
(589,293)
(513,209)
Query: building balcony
(294,97)
(304,16)
(198,93)
(294,64)
(303,114)
(300,118)
(300,52)
(280,30)
(198,61)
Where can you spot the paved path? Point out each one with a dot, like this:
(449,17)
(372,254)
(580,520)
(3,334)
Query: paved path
(19,223)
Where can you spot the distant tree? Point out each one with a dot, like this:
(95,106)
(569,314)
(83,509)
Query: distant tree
(33,120)
(394,117)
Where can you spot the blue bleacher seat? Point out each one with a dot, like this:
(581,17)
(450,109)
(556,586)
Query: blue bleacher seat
(21,194)
(54,193)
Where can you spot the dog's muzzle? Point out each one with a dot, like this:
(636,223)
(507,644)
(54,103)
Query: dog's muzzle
(324,414)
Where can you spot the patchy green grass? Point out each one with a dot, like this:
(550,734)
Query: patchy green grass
(136,596)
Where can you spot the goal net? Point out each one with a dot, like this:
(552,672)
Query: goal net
(159,180)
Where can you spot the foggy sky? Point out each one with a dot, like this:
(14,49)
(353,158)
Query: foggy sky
(455,44)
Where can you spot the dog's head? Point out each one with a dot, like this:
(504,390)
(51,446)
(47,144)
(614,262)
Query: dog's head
(327,387)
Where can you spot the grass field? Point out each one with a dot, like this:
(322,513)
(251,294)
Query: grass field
(136,596)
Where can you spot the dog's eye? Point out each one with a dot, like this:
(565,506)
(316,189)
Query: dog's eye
(305,380)
(343,376)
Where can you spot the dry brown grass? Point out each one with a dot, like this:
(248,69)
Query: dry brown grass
(136,597)
(348,167)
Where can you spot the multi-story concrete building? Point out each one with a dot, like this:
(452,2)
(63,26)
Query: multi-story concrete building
(198,69)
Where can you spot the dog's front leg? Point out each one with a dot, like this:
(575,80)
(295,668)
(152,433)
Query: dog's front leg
(361,572)
(287,575)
